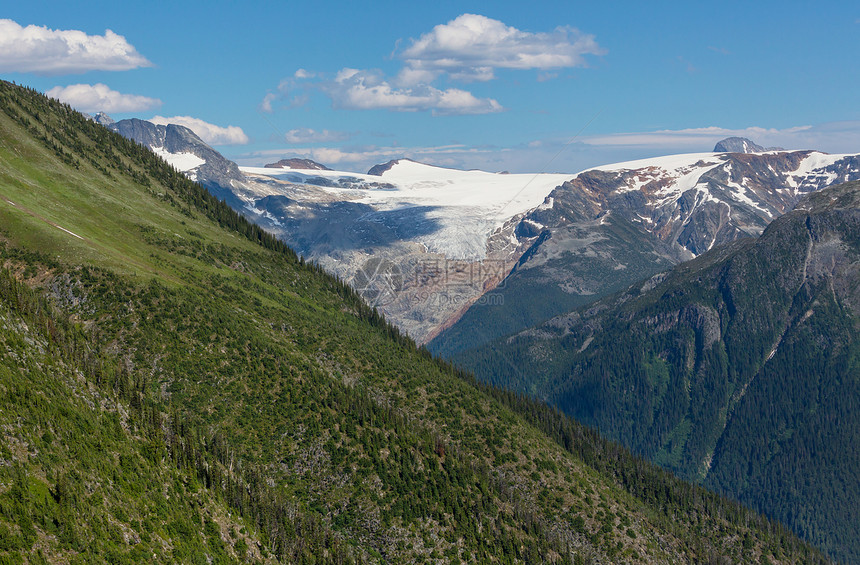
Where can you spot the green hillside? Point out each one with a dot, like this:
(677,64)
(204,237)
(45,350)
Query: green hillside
(739,370)
(177,386)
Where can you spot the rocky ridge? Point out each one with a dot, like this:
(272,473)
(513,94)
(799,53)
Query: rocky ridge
(297,163)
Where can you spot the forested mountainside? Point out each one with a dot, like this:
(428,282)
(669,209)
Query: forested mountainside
(739,370)
(178,386)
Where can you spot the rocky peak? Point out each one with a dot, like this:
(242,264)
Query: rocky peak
(297,163)
(741,145)
(377,170)
(141,131)
(103,119)
(217,171)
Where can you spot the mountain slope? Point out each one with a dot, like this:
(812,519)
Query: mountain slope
(737,369)
(566,267)
(269,391)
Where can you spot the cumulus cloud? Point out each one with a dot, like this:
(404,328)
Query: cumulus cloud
(210,133)
(307,135)
(367,90)
(100,98)
(471,46)
(38,49)
(410,77)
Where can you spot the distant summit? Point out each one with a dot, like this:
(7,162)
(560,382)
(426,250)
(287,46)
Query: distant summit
(103,119)
(296,163)
(741,145)
(377,170)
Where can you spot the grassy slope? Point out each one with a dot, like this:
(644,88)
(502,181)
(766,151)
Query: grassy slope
(267,388)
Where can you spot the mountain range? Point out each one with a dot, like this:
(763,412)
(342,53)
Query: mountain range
(179,386)
(443,236)
(433,247)
(613,225)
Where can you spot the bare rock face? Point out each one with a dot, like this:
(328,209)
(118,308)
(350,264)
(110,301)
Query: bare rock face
(215,173)
(103,119)
(378,170)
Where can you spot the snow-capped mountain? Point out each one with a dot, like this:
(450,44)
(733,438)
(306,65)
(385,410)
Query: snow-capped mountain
(438,240)
(610,226)
(693,202)
(184,149)
(427,245)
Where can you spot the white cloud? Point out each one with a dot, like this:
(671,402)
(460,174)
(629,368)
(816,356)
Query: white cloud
(410,77)
(703,139)
(100,98)
(307,135)
(37,49)
(471,46)
(266,104)
(210,133)
(345,74)
(366,90)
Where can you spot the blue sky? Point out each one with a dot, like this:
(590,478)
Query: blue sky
(498,86)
